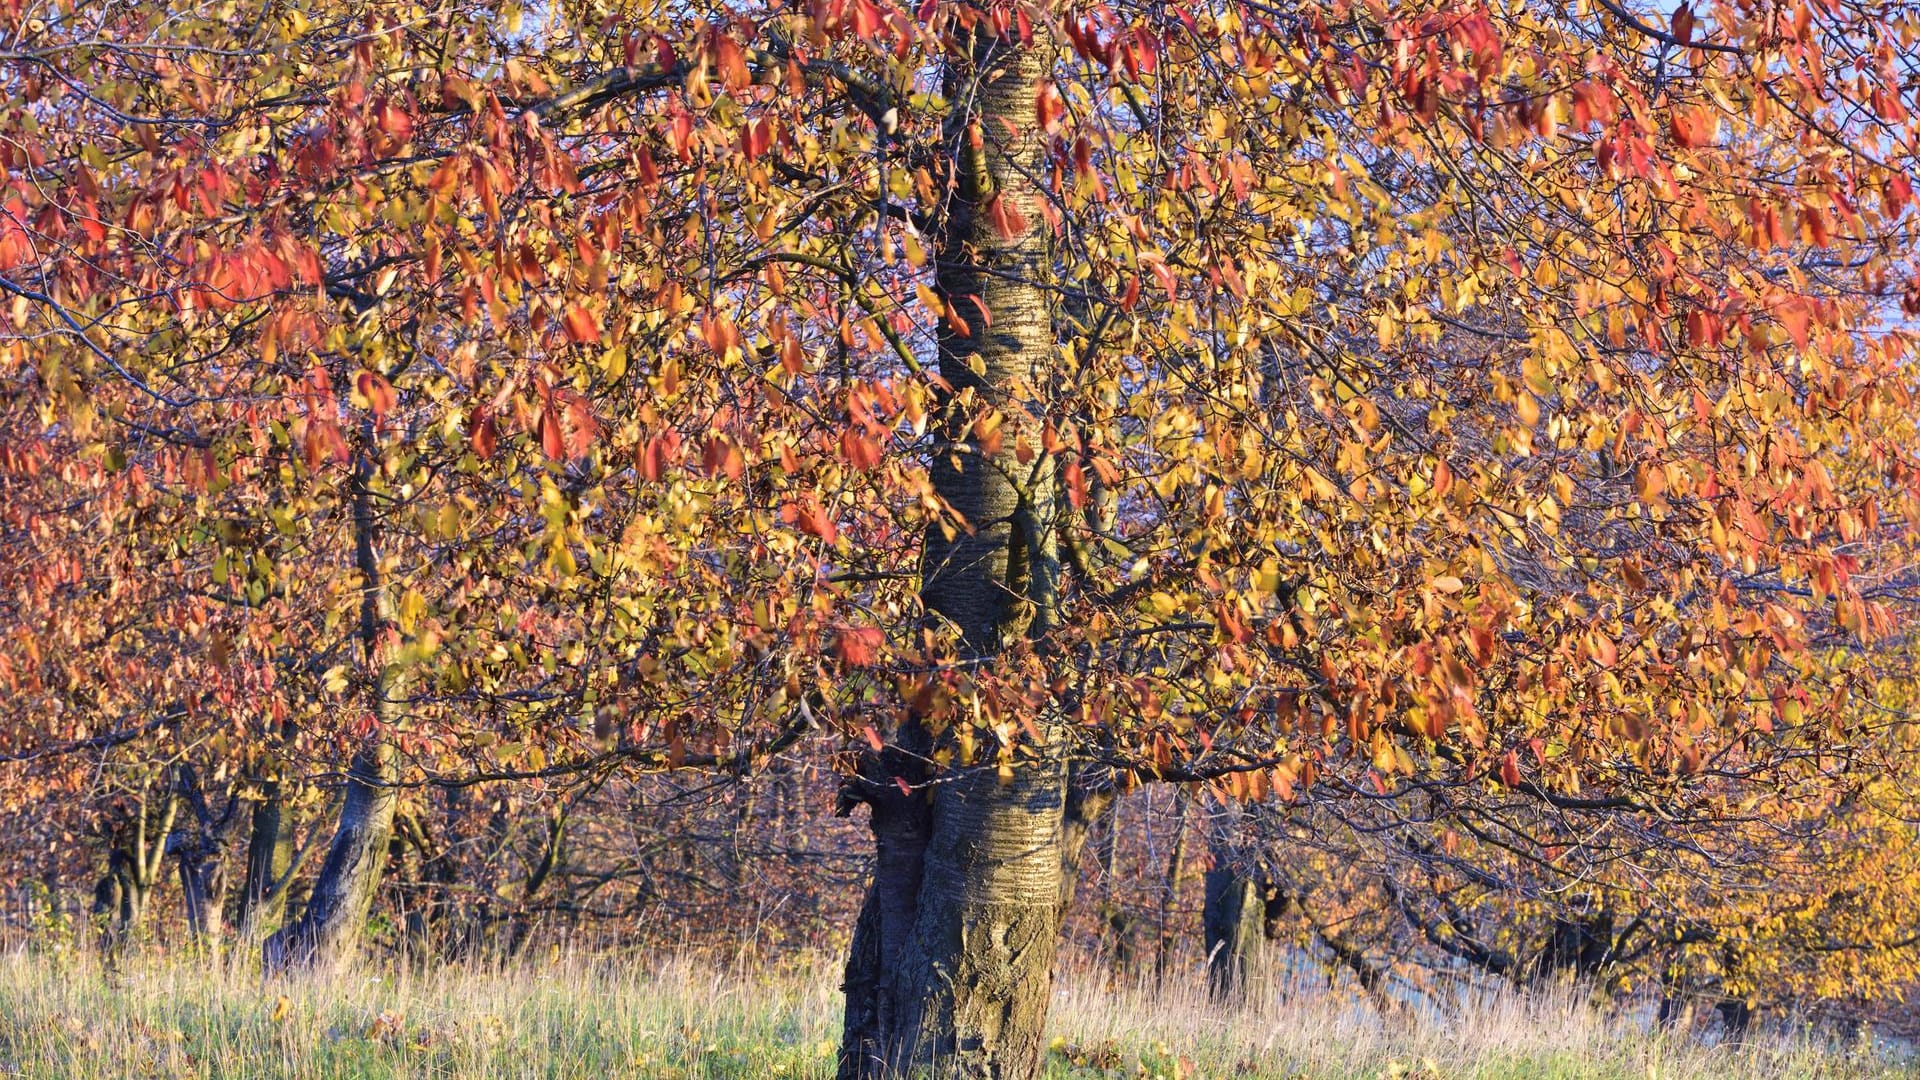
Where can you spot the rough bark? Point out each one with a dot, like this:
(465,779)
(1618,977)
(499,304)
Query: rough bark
(970,992)
(901,819)
(336,911)
(953,954)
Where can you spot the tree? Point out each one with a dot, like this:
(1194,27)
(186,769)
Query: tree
(1496,401)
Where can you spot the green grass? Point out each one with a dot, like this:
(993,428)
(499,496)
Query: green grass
(64,1015)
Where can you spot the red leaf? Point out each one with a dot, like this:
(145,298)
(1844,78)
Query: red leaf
(551,440)
(812,520)
(1682,23)
(863,452)
(1510,770)
(1008,223)
(1899,194)
(756,137)
(858,647)
(1076,486)
(657,453)
(866,18)
(482,435)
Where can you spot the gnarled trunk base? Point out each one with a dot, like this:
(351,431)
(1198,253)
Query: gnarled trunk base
(967,994)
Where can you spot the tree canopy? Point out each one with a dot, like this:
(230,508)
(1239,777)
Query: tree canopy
(1486,403)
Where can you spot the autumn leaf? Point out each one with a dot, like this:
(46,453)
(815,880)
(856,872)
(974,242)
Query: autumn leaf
(811,518)
(1048,107)
(482,434)
(582,327)
(859,647)
(376,391)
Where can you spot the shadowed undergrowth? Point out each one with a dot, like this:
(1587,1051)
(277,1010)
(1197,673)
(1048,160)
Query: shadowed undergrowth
(64,1015)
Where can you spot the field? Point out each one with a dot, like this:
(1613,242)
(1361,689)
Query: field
(64,1015)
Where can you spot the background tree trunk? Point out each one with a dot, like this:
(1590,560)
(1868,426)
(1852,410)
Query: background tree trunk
(330,926)
(1170,886)
(263,895)
(336,912)
(1233,923)
(133,869)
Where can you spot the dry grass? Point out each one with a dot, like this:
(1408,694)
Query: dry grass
(64,1015)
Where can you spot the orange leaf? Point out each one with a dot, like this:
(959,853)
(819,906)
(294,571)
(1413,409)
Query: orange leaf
(1008,222)
(1605,652)
(582,327)
(1049,107)
(863,452)
(378,392)
(859,647)
(811,518)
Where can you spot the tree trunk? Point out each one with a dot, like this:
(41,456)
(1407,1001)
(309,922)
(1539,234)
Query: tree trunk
(336,912)
(1233,912)
(263,896)
(954,950)
(1170,886)
(200,850)
(330,926)
(1234,923)
(901,820)
(200,890)
(973,982)
(133,869)
(1089,797)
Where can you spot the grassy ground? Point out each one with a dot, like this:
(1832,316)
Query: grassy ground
(65,1016)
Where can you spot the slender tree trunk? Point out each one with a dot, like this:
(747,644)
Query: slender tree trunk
(336,912)
(133,869)
(1170,885)
(1089,797)
(263,894)
(954,950)
(200,850)
(200,891)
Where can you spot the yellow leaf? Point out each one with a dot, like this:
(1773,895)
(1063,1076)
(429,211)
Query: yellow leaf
(1322,486)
